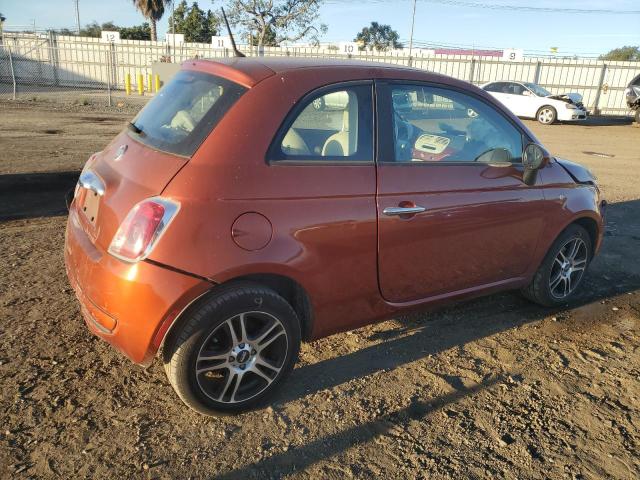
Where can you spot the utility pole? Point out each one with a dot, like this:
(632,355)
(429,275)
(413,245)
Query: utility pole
(2,19)
(413,21)
(77,16)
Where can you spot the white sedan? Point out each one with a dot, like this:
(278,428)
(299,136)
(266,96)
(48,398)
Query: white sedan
(529,100)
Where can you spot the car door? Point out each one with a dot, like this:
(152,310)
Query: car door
(453,211)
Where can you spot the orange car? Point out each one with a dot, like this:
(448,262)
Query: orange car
(253,204)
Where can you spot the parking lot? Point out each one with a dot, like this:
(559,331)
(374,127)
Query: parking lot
(490,388)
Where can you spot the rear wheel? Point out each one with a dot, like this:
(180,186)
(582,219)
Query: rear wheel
(562,270)
(547,115)
(232,351)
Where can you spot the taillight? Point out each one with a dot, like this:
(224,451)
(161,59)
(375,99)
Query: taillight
(141,229)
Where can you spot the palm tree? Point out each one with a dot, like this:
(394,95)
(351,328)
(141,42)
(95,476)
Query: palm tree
(152,10)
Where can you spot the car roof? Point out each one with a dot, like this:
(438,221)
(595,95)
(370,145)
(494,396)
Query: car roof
(249,71)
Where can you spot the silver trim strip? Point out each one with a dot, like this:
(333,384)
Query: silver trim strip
(403,210)
(91,181)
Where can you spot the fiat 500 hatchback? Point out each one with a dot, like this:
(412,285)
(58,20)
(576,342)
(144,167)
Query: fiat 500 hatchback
(252,205)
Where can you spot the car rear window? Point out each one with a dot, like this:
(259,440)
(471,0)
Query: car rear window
(184,112)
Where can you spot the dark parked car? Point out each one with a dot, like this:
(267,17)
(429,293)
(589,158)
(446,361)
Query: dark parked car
(234,219)
(632,96)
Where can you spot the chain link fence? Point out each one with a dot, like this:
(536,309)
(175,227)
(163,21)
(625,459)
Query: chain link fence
(52,67)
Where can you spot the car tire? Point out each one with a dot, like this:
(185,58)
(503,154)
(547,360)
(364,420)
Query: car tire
(561,268)
(218,366)
(547,115)
(637,115)
(319,104)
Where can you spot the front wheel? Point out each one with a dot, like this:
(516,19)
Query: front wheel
(547,115)
(562,270)
(232,351)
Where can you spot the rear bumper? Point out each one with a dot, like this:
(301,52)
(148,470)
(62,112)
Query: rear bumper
(130,306)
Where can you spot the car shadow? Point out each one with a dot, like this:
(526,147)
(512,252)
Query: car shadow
(614,272)
(299,458)
(29,195)
(423,334)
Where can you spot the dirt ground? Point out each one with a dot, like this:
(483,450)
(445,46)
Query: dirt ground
(491,388)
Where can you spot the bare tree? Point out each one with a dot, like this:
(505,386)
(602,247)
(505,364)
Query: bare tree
(152,10)
(288,20)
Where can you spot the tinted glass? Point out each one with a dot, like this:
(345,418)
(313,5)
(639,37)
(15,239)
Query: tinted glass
(185,111)
(494,87)
(538,90)
(334,125)
(434,124)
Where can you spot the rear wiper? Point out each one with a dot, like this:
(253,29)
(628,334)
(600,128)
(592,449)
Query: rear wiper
(134,128)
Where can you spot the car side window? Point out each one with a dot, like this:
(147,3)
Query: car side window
(334,125)
(518,89)
(494,87)
(432,124)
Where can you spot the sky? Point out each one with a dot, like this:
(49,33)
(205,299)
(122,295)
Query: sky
(436,21)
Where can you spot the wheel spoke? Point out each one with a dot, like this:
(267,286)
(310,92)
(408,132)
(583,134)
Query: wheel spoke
(235,388)
(211,368)
(554,283)
(268,330)
(268,342)
(243,328)
(261,362)
(580,263)
(220,356)
(230,379)
(566,283)
(573,249)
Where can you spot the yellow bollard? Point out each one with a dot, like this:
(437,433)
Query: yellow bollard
(149,83)
(140,84)
(127,83)
(157,81)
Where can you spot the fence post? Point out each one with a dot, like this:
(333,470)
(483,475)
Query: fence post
(109,78)
(596,101)
(472,69)
(53,46)
(13,74)
(536,75)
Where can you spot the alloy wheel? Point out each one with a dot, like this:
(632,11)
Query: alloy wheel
(568,268)
(546,116)
(241,357)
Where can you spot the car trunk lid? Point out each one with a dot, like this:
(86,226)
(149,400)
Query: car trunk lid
(128,173)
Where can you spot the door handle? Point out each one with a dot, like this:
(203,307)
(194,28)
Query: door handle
(91,181)
(403,210)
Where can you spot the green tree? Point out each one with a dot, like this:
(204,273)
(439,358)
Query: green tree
(94,29)
(194,23)
(274,21)
(137,32)
(269,39)
(378,37)
(627,53)
(152,10)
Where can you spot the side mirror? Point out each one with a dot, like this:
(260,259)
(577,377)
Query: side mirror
(526,93)
(534,157)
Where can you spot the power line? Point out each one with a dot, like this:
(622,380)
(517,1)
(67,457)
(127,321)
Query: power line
(515,8)
(525,8)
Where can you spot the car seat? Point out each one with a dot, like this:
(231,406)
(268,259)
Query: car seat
(345,142)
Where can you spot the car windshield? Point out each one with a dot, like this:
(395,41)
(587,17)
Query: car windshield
(185,111)
(537,89)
